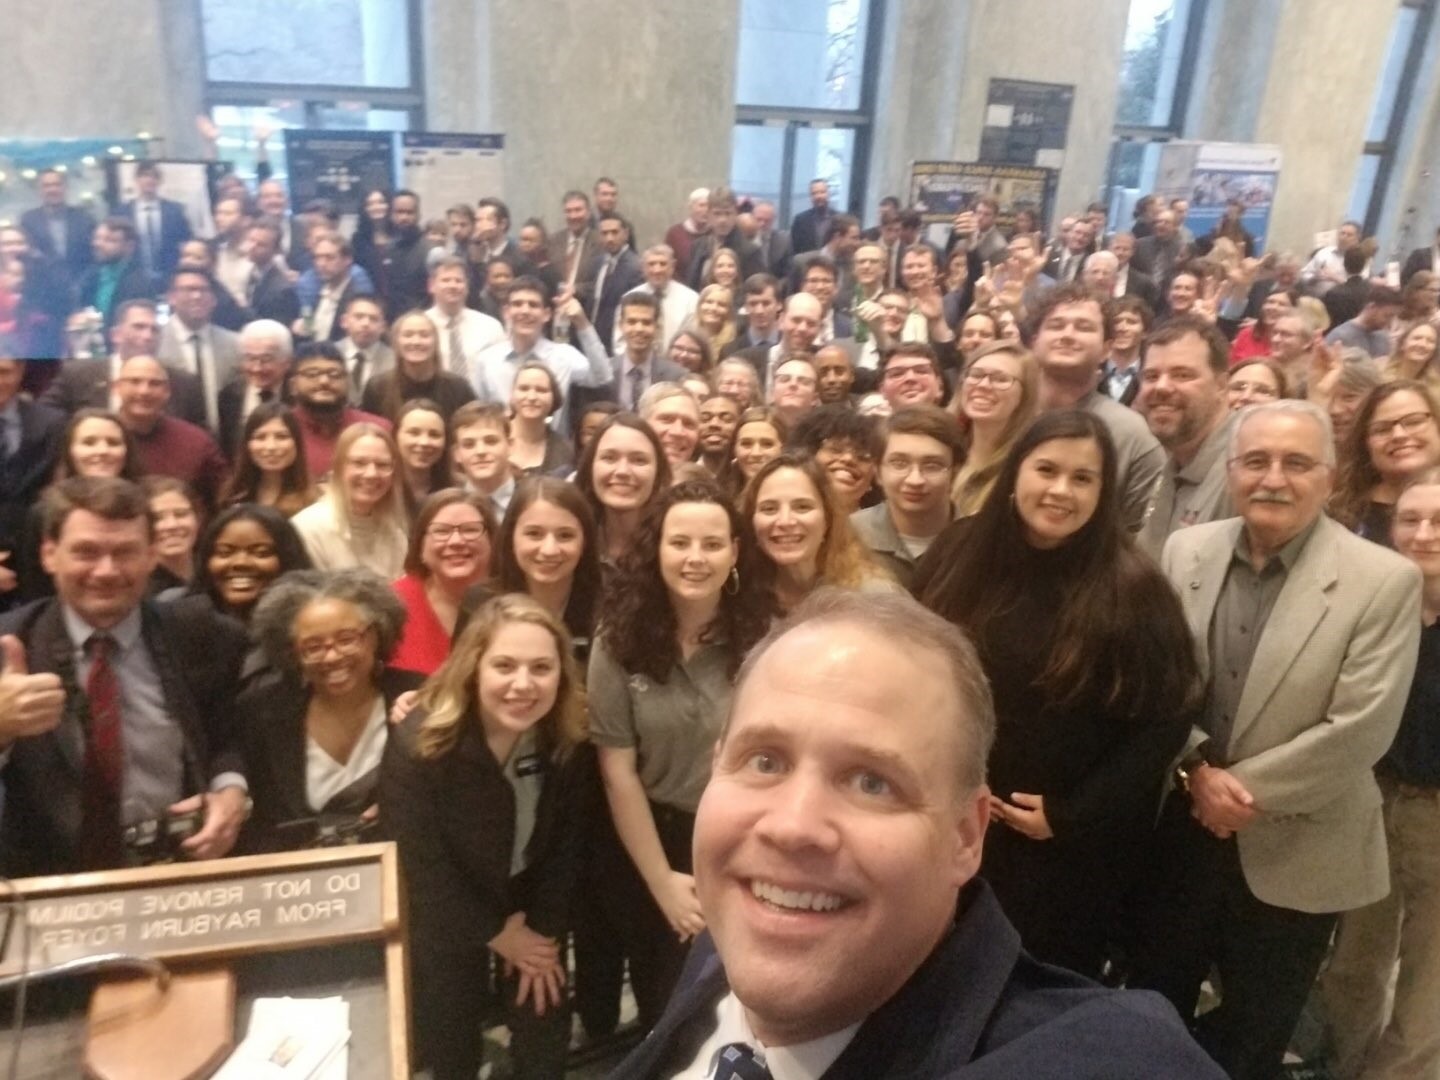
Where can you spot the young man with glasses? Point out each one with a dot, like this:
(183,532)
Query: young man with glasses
(910,376)
(318,389)
(916,468)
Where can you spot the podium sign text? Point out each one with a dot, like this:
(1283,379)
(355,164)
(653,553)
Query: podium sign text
(268,908)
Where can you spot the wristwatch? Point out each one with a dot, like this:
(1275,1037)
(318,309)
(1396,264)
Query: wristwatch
(1189,763)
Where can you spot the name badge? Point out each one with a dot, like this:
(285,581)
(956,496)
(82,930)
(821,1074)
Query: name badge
(529,765)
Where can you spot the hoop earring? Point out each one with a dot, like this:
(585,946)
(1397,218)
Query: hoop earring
(732,584)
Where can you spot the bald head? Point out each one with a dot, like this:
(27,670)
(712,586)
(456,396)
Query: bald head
(142,388)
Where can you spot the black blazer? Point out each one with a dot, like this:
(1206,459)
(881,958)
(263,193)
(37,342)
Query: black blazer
(270,717)
(78,227)
(134,284)
(454,820)
(82,383)
(274,298)
(174,231)
(748,254)
(625,276)
(807,231)
(1051,268)
(28,470)
(977,1009)
(1142,286)
(198,655)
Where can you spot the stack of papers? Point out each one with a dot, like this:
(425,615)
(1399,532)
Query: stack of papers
(293,1039)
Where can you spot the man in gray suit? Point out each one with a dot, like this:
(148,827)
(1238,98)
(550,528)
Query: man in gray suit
(1309,636)
(363,346)
(191,342)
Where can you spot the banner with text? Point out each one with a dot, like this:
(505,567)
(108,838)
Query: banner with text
(942,189)
(340,166)
(448,169)
(1211,175)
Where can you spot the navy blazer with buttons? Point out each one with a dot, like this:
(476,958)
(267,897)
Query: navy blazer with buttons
(977,1008)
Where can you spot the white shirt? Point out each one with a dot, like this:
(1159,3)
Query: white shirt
(803,1061)
(1122,282)
(478,332)
(495,369)
(233,270)
(678,306)
(209,377)
(327,310)
(325,777)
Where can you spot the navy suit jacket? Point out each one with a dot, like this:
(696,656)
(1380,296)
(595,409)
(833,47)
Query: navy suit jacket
(27,471)
(977,1009)
(807,231)
(174,231)
(626,274)
(78,227)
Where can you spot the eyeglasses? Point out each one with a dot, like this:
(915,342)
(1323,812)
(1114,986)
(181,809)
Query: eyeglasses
(345,643)
(930,468)
(321,374)
(1408,425)
(1259,463)
(894,374)
(998,379)
(837,450)
(469,532)
(1254,389)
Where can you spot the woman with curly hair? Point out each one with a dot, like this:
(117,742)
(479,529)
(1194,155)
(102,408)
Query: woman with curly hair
(485,786)
(803,538)
(1396,434)
(680,613)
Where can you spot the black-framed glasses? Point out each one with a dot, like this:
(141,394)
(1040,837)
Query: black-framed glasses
(345,643)
(1408,425)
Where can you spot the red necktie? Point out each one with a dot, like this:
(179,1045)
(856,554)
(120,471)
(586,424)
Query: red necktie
(104,760)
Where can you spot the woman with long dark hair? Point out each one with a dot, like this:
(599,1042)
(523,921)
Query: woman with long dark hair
(271,469)
(680,615)
(1094,675)
(423,440)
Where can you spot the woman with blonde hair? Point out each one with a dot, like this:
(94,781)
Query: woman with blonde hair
(497,739)
(998,397)
(1417,356)
(360,520)
(715,314)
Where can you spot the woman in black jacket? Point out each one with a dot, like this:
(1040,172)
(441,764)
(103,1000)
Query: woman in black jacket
(1095,680)
(313,721)
(486,786)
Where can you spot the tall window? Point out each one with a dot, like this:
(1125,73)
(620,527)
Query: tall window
(1161,38)
(338,64)
(804,97)
(1414,22)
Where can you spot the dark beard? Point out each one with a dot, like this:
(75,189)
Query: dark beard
(326,414)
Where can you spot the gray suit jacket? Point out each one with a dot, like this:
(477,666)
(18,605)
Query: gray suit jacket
(379,358)
(1321,706)
(175,352)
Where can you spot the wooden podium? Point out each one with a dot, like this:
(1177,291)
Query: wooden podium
(322,923)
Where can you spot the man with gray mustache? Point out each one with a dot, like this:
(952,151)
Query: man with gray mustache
(1308,636)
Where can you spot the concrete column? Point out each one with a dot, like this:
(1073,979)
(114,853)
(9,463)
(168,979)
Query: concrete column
(1318,97)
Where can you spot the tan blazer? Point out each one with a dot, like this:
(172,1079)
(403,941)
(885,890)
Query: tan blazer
(1321,706)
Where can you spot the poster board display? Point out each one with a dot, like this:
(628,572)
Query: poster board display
(187,182)
(1026,123)
(338,166)
(942,189)
(1210,174)
(448,169)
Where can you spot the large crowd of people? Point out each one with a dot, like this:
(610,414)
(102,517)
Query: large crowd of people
(458,532)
